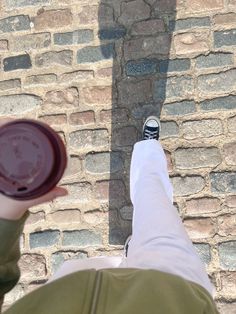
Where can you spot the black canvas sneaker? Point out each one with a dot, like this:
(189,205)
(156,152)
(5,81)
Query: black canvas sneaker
(151,128)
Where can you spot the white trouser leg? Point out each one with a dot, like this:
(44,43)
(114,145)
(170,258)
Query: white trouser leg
(75,265)
(159,240)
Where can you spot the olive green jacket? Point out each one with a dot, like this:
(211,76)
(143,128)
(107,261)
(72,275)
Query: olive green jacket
(107,291)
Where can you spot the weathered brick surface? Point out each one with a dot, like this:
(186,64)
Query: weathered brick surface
(202,205)
(94,72)
(222,82)
(202,128)
(18,103)
(188,158)
(76,37)
(187,185)
(134,11)
(81,238)
(32,265)
(232,124)
(3,44)
(17,62)
(52,19)
(204,252)
(28,42)
(229,152)
(43,79)
(10,84)
(200,228)
(15,23)
(173,88)
(214,60)
(179,108)
(193,42)
(44,238)
(54,57)
(227,281)
(19,3)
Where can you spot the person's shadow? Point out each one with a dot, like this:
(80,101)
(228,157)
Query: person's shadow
(137,36)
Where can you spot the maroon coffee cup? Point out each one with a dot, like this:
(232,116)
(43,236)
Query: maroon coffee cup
(32,159)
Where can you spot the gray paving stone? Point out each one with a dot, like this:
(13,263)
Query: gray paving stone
(176,65)
(220,103)
(81,238)
(23,3)
(204,252)
(187,185)
(17,62)
(199,157)
(141,67)
(225,38)
(179,108)
(223,182)
(18,103)
(44,238)
(227,254)
(213,60)
(94,54)
(71,38)
(189,23)
(15,23)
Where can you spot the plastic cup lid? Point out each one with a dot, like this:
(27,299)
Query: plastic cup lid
(26,158)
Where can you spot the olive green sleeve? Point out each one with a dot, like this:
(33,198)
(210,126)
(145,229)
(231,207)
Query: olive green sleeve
(10,232)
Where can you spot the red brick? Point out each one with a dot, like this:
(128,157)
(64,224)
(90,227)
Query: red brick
(64,99)
(149,27)
(192,43)
(88,14)
(144,47)
(76,76)
(203,5)
(200,228)
(52,19)
(227,225)
(228,284)
(54,119)
(132,11)
(32,266)
(202,206)
(225,19)
(231,201)
(106,72)
(114,115)
(82,118)
(97,94)
(230,153)
(66,216)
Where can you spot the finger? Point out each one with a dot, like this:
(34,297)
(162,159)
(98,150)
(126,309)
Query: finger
(5,120)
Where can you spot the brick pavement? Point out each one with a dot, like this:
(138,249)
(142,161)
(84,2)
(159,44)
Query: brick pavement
(92,71)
